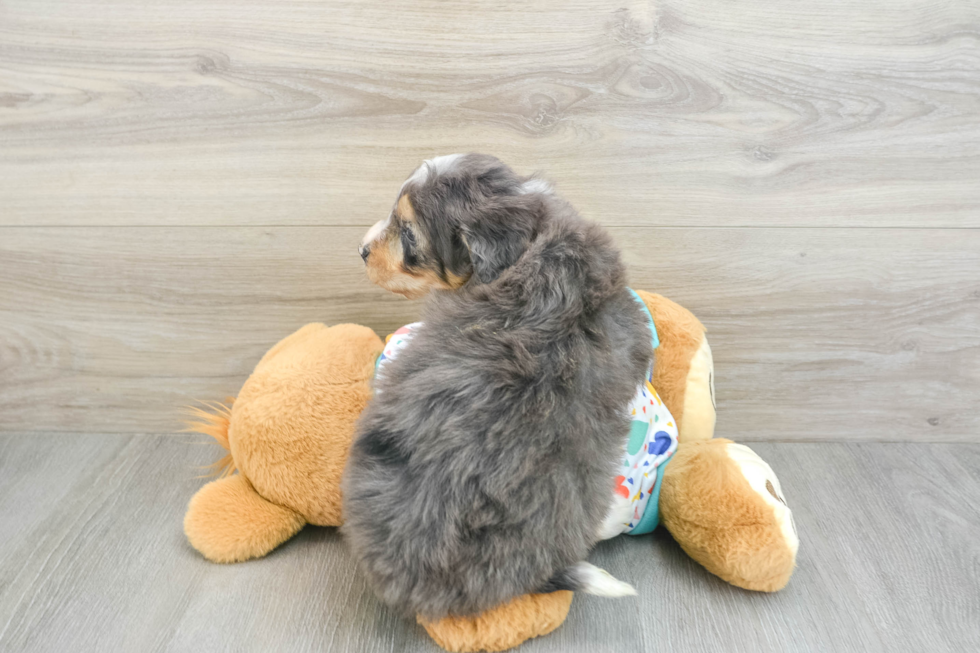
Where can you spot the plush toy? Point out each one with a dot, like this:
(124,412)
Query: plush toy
(288,432)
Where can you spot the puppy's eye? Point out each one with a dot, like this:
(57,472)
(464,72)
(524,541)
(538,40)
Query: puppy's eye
(409,247)
(408,237)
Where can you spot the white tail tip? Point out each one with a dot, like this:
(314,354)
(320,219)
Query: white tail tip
(600,582)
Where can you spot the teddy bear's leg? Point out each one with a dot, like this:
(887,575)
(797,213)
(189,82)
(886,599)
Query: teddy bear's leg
(227,521)
(292,425)
(503,627)
(723,505)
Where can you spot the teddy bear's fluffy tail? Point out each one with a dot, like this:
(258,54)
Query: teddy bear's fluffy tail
(215,423)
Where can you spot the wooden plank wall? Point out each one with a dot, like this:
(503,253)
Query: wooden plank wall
(183,183)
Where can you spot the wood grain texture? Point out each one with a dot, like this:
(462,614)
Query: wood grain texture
(97,562)
(183,182)
(677,112)
(818,334)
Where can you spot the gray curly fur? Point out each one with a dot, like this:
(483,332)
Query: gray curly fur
(483,468)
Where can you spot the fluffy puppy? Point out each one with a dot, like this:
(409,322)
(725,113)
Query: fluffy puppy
(483,467)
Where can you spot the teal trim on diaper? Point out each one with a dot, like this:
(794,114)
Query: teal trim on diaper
(651,515)
(653,327)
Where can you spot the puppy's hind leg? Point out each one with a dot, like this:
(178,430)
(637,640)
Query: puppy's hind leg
(585,577)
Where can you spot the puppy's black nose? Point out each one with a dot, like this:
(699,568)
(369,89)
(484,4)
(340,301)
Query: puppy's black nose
(364,250)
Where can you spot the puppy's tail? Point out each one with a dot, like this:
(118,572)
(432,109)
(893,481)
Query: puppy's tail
(583,577)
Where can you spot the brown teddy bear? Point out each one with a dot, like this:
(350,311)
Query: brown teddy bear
(289,430)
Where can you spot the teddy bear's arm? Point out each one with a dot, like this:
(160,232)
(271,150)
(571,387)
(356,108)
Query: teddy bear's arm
(684,370)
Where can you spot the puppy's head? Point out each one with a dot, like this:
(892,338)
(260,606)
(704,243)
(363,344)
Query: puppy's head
(457,218)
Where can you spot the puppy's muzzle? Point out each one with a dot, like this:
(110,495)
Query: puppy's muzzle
(364,251)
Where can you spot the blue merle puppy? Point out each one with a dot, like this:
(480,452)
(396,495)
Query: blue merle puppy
(482,469)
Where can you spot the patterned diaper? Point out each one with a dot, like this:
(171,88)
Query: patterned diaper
(652,441)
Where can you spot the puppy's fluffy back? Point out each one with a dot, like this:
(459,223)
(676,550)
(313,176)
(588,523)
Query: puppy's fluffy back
(485,466)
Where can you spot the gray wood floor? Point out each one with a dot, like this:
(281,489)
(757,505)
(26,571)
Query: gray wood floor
(92,558)
(183,182)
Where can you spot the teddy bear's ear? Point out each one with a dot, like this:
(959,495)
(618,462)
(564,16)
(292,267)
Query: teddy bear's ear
(698,422)
(227,521)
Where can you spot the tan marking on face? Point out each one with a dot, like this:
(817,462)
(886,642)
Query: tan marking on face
(404,209)
(385,260)
(455,281)
(433,280)
(412,284)
(386,268)
(407,285)
(386,264)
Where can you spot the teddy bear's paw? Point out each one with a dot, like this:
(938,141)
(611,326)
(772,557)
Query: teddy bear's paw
(723,504)
(764,482)
(503,627)
(227,521)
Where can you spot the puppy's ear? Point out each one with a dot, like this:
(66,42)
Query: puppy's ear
(498,233)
